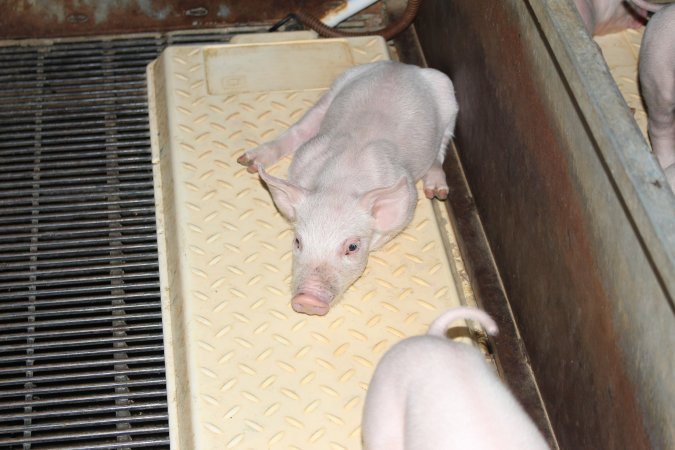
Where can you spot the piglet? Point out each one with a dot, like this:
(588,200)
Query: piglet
(609,16)
(351,185)
(429,393)
(656,71)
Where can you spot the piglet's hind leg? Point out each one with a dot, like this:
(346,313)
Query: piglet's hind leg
(434,182)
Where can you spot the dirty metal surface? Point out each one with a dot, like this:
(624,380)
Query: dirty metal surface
(46,19)
(576,212)
(510,355)
(81,344)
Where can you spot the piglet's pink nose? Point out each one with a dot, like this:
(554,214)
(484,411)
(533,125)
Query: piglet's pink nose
(308,304)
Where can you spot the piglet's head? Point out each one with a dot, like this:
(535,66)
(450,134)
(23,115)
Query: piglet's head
(334,232)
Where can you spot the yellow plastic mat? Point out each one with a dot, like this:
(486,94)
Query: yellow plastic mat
(244,370)
(621,51)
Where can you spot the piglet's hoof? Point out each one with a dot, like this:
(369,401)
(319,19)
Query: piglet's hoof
(249,162)
(244,160)
(439,193)
(308,304)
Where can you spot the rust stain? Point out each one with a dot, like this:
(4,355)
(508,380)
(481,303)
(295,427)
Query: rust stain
(537,221)
(64,18)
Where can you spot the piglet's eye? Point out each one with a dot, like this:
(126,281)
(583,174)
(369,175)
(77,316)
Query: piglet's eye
(352,248)
(297,244)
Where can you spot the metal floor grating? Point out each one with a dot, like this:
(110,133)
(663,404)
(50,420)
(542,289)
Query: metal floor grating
(81,351)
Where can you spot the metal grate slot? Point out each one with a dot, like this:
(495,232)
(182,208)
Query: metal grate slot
(81,349)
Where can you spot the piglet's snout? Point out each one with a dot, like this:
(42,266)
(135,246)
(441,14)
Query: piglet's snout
(314,289)
(309,304)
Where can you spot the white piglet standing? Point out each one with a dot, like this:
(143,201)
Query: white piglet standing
(351,184)
(430,393)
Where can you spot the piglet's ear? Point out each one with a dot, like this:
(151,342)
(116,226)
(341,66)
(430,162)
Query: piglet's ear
(285,195)
(389,206)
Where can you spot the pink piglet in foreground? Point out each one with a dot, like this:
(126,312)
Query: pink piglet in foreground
(430,393)
(351,184)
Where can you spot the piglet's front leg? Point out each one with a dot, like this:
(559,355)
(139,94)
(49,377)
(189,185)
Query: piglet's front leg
(263,156)
(288,142)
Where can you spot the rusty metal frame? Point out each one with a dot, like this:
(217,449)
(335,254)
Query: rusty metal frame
(578,214)
(64,18)
(508,349)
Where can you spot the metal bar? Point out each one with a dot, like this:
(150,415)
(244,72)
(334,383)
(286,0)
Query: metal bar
(64,87)
(85,102)
(84,205)
(77,314)
(65,301)
(81,364)
(81,310)
(99,141)
(64,173)
(134,78)
(131,186)
(80,167)
(136,443)
(88,331)
(77,48)
(63,53)
(81,128)
(66,164)
(79,290)
(83,423)
(85,435)
(83,261)
(82,398)
(121,222)
(59,63)
(63,117)
(84,94)
(79,387)
(18,126)
(59,181)
(83,353)
(81,242)
(79,342)
(9,207)
(157,370)
(76,234)
(22,148)
(81,321)
(98,105)
(91,251)
(138,405)
(84,181)
(64,69)
(54,57)
(76,136)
